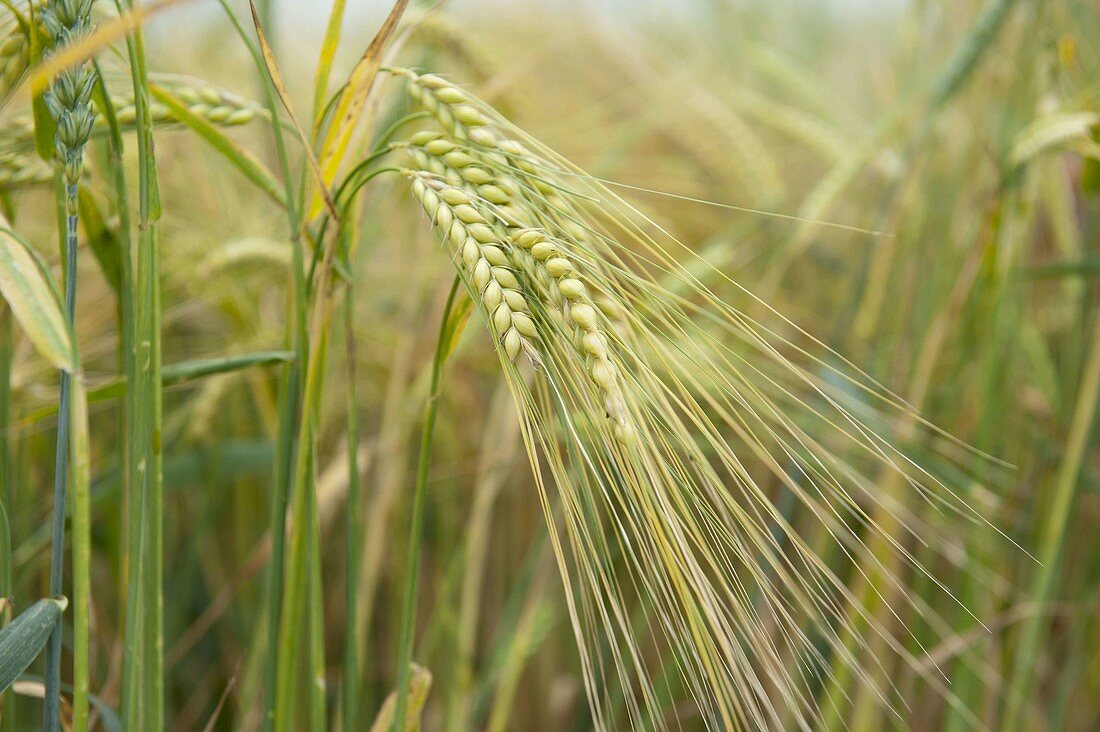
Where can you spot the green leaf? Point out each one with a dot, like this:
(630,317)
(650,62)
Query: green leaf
(456,324)
(171,375)
(26,287)
(22,641)
(284,96)
(244,161)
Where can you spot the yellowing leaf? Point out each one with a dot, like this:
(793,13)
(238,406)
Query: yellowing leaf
(456,324)
(284,97)
(324,62)
(33,301)
(353,99)
(420,683)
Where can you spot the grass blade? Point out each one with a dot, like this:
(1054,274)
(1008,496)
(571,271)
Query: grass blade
(23,640)
(7,493)
(81,552)
(324,62)
(354,553)
(1052,535)
(248,164)
(416,522)
(420,684)
(143,660)
(353,99)
(284,96)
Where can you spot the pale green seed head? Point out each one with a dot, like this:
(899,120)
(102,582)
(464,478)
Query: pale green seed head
(454,196)
(456,230)
(543,250)
(559,266)
(603,373)
(468,214)
(471,252)
(458,159)
(571,287)
(482,233)
(469,115)
(430,81)
(529,237)
(524,324)
(505,277)
(477,176)
(495,255)
(483,136)
(483,273)
(502,318)
(594,345)
(515,300)
(493,194)
(493,295)
(512,343)
(450,95)
(583,315)
(427,137)
(438,146)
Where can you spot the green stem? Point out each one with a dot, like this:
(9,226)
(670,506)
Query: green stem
(1052,537)
(301,540)
(354,548)
(416,524)
(297,338)
(52,707)
(965,59)
(7,701)
(143,661)
(127,326)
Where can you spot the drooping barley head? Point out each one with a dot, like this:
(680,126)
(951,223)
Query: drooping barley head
(667,432)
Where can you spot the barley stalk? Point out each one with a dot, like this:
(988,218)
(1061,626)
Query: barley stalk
(69,102)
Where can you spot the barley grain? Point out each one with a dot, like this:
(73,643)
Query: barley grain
(480,250)
(550,270)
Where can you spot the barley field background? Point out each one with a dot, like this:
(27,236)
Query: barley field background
(550,365)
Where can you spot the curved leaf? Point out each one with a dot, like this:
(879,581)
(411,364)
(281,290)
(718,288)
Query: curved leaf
(26,287)
(22,641)
(243,160)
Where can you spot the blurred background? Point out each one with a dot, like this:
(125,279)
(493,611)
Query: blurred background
(964,159)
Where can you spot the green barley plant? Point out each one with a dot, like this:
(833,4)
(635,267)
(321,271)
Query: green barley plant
(653,368)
